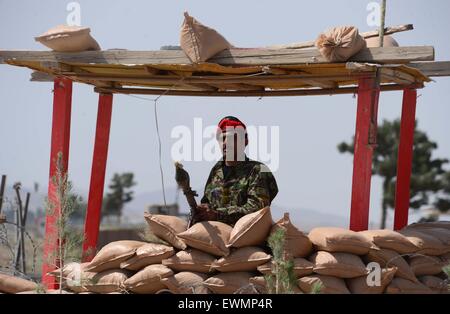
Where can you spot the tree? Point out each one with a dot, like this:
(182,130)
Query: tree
(120,193)
(430,183)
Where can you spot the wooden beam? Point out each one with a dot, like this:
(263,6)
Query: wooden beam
(375,33)
(226,57)
(433,69)
(265,93)
(218,80)
(97,183)
(404,159)
(37,76)
(366,122)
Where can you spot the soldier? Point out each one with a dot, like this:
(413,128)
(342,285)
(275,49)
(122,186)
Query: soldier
(236,185)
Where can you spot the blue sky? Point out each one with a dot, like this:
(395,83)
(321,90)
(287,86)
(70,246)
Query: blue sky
(312,174)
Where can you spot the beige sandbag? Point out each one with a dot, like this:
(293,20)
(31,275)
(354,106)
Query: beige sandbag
(167,227)
(208,236)
(332,239)
(389,258)
(228,283)
(445,258)
(426,265)
(441,234)
(359,285)
(435,224)
(404,286)
(12,284)
(252,229)
(341,265)
(108,281)
(243,259)
(111,255)
(340,43)
(190,260)
(296,242)
(186,283)
(260,285)
(388,41)
(388,239)
(427,244)
(78,278)
(65,38)
(148,280)
(302,267)
(200,42)
(436,284)
(148,254)
(328,284)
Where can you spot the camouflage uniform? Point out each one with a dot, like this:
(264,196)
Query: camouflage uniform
(240,190)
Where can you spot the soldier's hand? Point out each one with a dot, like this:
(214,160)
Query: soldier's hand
(204,213)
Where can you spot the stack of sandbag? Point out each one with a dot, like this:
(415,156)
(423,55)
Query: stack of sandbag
(213,257)
(411,260)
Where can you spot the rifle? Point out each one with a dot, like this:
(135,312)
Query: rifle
(183,181)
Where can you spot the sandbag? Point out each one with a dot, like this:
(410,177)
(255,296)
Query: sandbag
(186,283)
(108,281)
(12,284)
(388,41)
(297,244)
(435,284)
(404,286)
(167,227)
(208,236)
(427,244)
(340,43)
(332,239)
(148,280)
(388,239)
(260,285)
(112,254)
(251,229)
(65,38)
(329,285)
(302,267)
(341,265)
(435,224)
(77,277)
(389,258)
(228,283)
(426,265)
(200,42)
(242,259)
(190,260)
(359,285)
(441,234)
(148,254)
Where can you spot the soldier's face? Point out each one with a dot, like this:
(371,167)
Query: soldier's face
(233,145)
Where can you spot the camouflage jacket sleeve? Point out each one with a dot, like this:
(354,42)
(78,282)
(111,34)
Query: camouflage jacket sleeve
(262,189)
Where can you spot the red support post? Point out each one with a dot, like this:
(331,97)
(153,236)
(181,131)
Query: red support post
(62,105)
(405,157)
(365,140)
(93,213)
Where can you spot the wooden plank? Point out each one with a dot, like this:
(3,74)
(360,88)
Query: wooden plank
(311,43)
(252,80)
(433,69)
(37,76)
(227,57)
(266,93)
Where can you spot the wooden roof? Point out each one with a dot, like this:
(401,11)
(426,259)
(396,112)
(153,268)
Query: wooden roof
(235,72)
